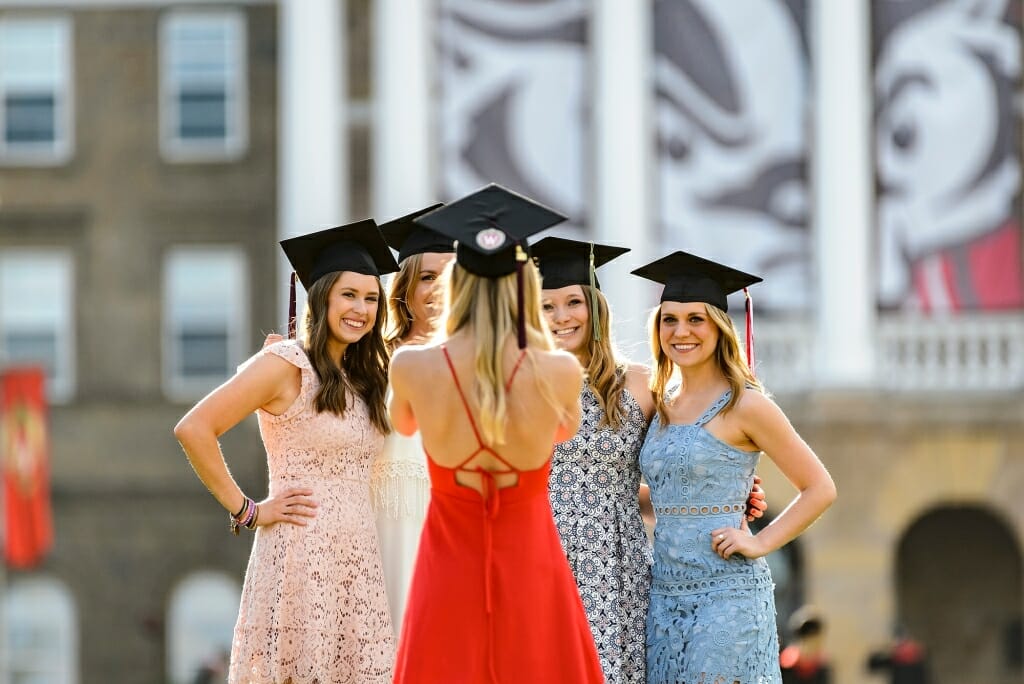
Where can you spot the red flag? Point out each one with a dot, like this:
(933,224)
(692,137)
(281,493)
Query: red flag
(24,453)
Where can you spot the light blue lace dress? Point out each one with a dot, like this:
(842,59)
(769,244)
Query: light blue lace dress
(593,488)
(710,621)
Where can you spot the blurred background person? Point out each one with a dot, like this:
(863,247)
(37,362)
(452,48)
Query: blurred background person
(804,661)
(904,659)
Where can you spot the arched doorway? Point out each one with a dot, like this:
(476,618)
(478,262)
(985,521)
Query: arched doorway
(959,592)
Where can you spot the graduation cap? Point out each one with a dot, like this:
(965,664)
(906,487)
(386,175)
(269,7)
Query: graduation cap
(357,247)
(690,278)
(408,238)
(565,262)
(490,227)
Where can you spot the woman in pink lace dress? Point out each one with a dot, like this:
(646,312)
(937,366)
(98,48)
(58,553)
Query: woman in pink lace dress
(314,608)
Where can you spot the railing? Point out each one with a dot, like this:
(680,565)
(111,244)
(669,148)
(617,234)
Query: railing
(972,352)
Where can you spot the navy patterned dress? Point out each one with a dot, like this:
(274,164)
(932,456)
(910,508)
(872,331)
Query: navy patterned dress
(710,621)
(593,487)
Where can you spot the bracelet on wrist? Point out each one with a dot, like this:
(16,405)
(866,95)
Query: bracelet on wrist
(244,517)
(251,525)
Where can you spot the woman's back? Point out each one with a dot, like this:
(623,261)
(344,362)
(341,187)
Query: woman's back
(441,383)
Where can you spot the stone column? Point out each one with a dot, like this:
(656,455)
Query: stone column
(842,181)
(312,132)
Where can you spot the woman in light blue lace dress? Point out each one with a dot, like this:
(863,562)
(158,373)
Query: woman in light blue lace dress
(711,618)
(594,484)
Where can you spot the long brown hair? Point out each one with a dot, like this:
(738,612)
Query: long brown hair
(728,356)
(400,291)
(364,366)
(488,307)
(605,374)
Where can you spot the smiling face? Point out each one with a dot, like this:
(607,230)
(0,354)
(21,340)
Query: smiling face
(352,307)
(427,299)
(687,334)
(568,317)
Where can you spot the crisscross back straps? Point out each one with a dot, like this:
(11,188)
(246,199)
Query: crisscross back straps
(469,414)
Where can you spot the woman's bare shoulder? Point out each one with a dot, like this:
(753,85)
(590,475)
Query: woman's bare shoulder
(637,373)
(561,369)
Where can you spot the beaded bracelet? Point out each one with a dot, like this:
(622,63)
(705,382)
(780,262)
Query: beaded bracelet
(243,518)
(255,516)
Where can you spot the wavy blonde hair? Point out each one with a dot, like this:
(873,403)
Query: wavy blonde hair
(487,306)
(728,355)
(400,291)
(364,367)
(606,375)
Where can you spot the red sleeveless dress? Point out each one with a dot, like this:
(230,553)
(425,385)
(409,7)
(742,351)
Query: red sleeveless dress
(493,599)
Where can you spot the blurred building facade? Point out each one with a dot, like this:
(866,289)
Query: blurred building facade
(864,157)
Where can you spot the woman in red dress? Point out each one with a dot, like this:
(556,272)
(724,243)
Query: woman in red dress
(492,597)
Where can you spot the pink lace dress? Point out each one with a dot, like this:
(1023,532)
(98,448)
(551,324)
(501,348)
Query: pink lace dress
(314,609)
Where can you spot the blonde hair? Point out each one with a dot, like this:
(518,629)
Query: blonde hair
(400,292)
(605,374)
(487,306)
(728,355)
(364,367)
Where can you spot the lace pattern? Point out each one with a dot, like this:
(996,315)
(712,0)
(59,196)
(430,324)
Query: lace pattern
(593,490)
(710,621)
(313,607)
(399,483)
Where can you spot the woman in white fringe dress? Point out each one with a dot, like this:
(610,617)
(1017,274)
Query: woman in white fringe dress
(399,485)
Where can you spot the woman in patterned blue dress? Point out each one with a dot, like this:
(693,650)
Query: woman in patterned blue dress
(594,484)
(711,618)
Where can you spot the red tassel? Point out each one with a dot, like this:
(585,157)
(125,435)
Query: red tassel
(291,308)
(749,306)
(521,323)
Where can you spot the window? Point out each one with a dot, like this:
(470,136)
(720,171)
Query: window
(205,318)
(203,86)
(41,632)
(35,90)
(36,314)
(200,620)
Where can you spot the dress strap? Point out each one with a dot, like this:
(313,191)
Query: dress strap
(714,408)
(462,396)
(515,369)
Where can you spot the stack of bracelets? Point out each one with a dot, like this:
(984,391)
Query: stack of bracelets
(246,516)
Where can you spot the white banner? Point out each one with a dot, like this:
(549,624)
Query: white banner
(513,97)
(731,117)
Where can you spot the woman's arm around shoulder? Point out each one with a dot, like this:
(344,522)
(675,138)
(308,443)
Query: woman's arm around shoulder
(638,383)
(769,430)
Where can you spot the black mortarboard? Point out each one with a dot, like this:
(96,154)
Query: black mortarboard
(487,225)
(357,247)
(689,278)
(490,227)
(563,262)
(408,239)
